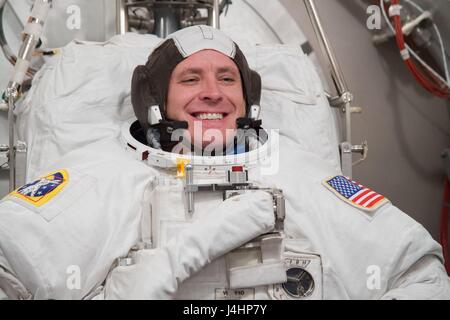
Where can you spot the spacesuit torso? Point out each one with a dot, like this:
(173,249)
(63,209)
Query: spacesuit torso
(243,273)
(108,202)
(330,248)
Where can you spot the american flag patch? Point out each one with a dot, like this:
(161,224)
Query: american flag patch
(355,194)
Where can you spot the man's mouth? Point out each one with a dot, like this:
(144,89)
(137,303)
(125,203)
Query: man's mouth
(209,116)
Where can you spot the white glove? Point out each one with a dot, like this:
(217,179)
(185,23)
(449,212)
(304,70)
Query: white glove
(158,273)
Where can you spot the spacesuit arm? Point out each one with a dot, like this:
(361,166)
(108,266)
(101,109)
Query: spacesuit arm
(424,276)
(158,273)
(11,287)
(427,279)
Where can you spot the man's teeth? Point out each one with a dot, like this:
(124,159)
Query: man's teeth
(210,116)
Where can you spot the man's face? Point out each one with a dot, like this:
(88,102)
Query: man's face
(206,89)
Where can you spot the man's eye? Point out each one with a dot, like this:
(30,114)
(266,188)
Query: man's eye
(189,80)
(228,79)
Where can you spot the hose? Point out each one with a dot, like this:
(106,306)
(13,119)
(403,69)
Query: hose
(444,225)
(430,82)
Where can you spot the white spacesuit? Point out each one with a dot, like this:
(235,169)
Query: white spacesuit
(121,219)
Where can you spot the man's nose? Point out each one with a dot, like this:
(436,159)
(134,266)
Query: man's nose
(210,91)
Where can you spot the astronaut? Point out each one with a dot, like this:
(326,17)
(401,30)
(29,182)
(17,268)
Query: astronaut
(196,200)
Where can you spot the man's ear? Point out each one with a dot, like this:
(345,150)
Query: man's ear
(141,95)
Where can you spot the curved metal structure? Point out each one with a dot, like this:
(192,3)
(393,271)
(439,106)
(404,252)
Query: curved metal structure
(10,56)
(31,37)
(163,17)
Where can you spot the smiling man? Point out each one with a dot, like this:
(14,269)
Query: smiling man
(206,91)
(199,81)
(123,222)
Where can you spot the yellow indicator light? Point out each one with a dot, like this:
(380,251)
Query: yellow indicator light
(181,163)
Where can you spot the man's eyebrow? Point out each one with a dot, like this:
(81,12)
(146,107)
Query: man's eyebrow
(190,71)
(228,69)
(200,71)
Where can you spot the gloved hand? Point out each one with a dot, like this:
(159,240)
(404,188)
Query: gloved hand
(158,272)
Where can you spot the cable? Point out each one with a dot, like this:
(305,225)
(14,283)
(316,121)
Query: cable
(444,225)
(429,84)
(407,46)
(438,33)
(432,85)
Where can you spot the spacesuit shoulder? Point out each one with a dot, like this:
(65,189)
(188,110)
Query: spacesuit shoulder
(87,205)
(42,191)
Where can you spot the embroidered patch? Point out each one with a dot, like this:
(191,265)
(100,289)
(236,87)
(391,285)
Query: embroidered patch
(42,190)
(355,194)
